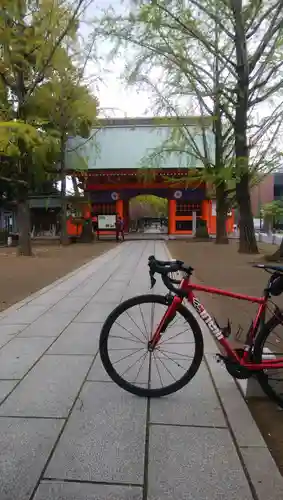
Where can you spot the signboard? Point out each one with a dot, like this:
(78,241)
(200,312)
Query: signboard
(107,222)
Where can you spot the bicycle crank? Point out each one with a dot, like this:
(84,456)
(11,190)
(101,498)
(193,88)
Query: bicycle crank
(234,368)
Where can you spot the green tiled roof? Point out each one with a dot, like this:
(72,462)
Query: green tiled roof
(130,143)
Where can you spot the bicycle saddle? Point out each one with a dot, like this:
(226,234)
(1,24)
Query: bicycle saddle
(270,267)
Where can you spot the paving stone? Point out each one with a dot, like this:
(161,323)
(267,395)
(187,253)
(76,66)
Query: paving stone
(56,490)
(11,330)
(194,464)
(87,291)
(18,356)
(97,372)
(93,281)
(104,439)
(5,387)
(78,338)
(50,298)
(68,304)
(237,411)
(195,404)
(75,281)
(265,476)
(24,316)
(115,285)
(8,332)
(106,295)
(25,447)
(122,277)
(50,324)
(49,389)
(95,313)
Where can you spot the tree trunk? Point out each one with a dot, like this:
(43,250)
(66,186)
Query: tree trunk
(276,256)
(23,222)
(247,243)
(221,215)
(23,211)
(75,186)
(280,249)
(64,238)
(87,234)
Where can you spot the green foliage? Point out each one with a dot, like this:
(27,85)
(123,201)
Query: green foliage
(175,48)
(41,94)
(40,90)
(148,205)
(274,210)
(67,105)
(223,59)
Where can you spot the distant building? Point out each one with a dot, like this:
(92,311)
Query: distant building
(262,193)
(271,188)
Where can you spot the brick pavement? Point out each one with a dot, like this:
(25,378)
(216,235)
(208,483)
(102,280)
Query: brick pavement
(68,433)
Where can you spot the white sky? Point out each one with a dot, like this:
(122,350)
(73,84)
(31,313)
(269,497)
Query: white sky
(115,100)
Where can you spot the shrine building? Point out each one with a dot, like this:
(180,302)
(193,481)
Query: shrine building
(117,163)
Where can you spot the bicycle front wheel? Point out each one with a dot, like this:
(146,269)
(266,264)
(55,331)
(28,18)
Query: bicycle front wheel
(124,347)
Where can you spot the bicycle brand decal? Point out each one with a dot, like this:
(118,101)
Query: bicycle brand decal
(207,319)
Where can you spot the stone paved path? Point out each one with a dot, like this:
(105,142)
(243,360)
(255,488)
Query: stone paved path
(68,433)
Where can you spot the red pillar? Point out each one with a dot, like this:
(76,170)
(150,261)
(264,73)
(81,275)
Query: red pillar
(126,215)
(120,208)
(171,216)
(206,212)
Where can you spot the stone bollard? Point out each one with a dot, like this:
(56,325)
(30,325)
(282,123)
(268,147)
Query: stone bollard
(250,387)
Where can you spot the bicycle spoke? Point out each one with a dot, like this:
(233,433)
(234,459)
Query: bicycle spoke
(131,366)
(126,338)
(136,325)
(174,361)
(130,332)
(123,349)
(158,371)
(177,353)
(147,334)
(142,364)
(167,370)
(173,337)
(127,356)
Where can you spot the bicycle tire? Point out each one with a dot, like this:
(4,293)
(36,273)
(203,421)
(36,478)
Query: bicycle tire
(262,376)
(141,391)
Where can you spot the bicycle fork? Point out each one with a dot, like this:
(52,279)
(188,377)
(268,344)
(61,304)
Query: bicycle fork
(166,319)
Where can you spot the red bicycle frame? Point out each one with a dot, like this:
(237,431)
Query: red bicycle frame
(189,289)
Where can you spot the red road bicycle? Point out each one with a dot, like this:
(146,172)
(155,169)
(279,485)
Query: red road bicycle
(153,352)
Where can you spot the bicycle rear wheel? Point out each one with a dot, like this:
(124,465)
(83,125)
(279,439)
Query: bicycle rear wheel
(269,344)
(171,365)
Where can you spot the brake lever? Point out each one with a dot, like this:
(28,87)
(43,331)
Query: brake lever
(152,279)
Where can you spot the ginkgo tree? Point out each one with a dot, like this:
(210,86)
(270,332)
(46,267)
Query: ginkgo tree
(180,37)
(70,108)
(35,41)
